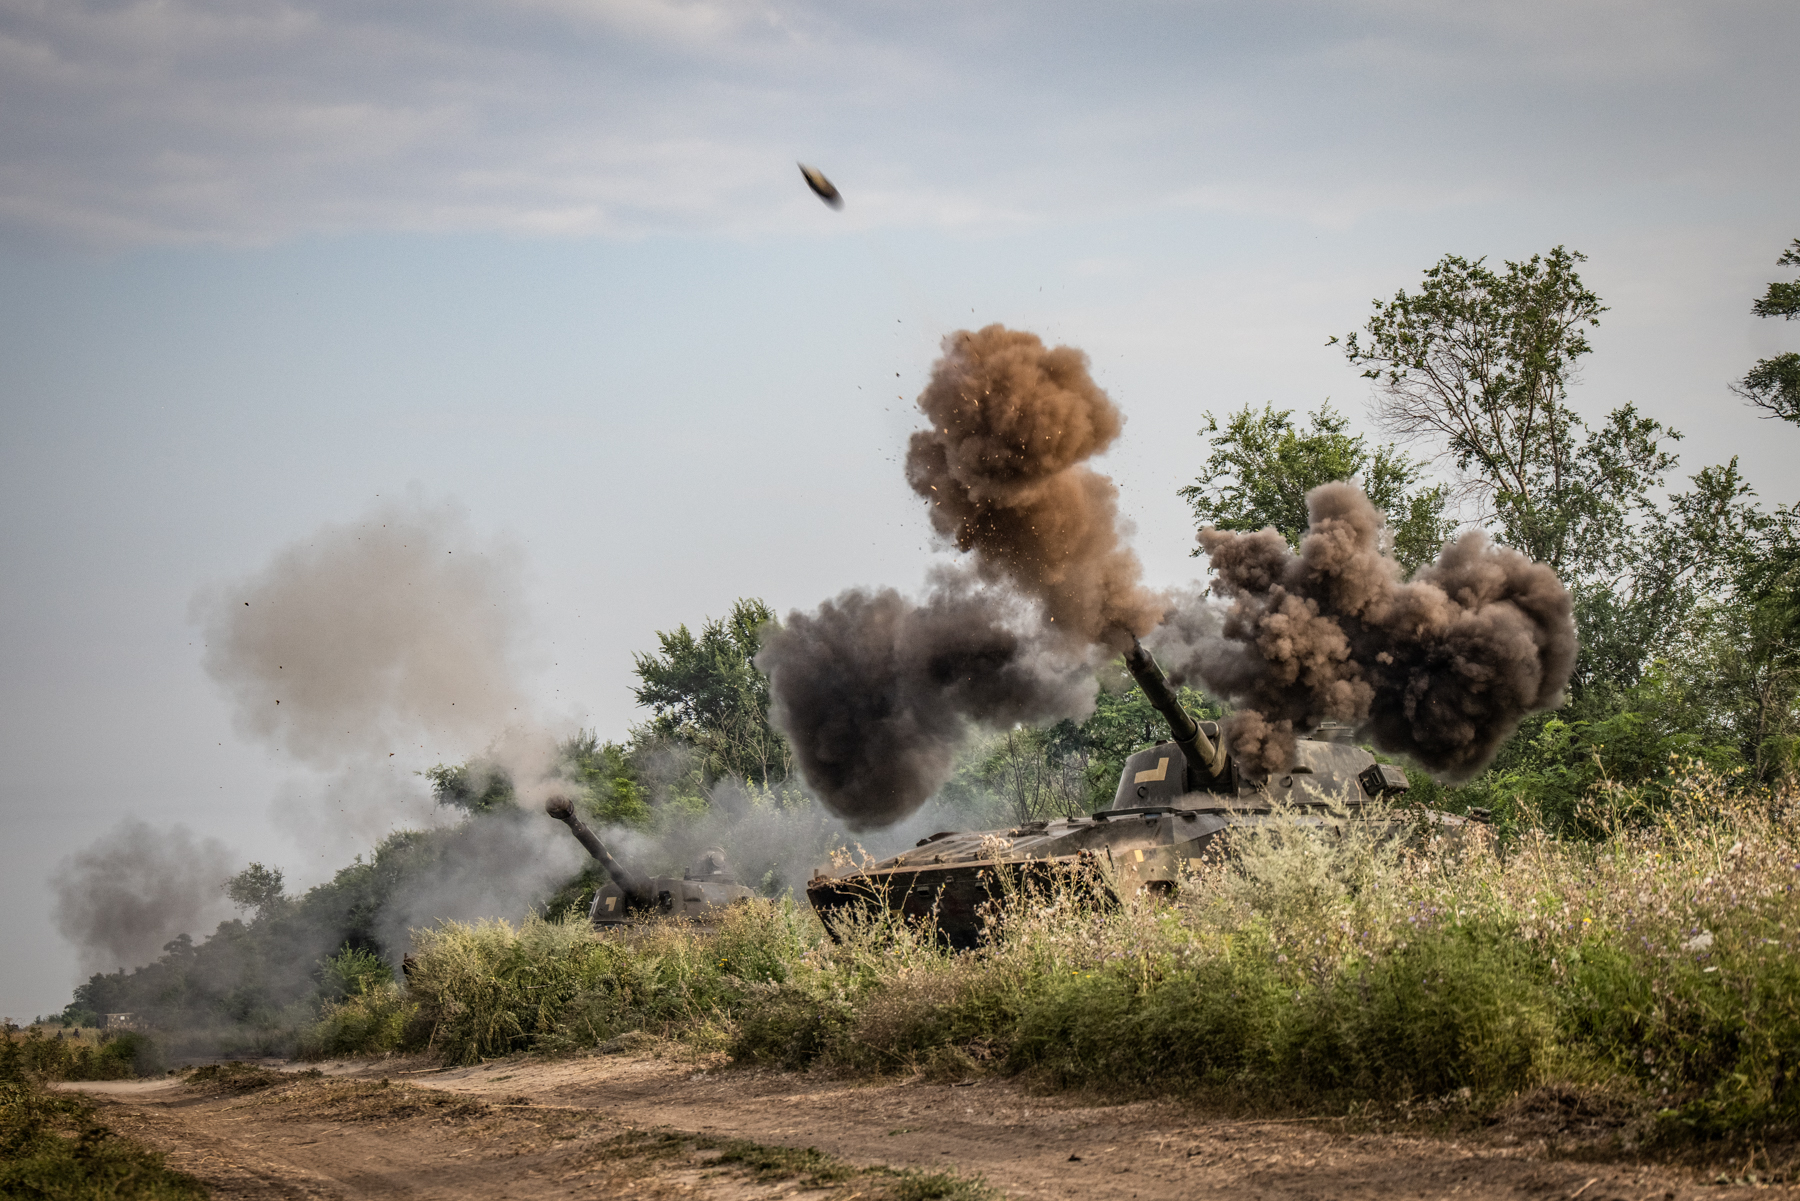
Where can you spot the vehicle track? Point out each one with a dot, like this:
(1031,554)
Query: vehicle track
(542,1127)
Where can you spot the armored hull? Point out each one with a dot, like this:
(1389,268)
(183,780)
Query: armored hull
(947,878)
(699,898)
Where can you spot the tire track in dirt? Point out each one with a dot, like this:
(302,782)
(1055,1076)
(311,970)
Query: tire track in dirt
(1061,1146)
(544,1125)
(356,1136)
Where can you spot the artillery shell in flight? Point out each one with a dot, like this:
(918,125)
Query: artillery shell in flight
(815,179)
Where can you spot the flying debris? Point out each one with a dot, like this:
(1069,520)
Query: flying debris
(815,179)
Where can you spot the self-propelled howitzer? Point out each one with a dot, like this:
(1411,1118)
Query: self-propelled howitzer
(1173,799)
(702,891)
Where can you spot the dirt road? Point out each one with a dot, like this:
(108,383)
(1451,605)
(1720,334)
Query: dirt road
(638,1125)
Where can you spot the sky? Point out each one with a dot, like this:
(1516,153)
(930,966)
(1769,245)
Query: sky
(266,263)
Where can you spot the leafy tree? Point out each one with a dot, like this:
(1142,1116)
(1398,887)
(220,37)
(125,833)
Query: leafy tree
(478,786)
(1774,383)
(1742,662)
(1770,590)
(706,692)
(1026,772)
(1638,600)
(609,779)
(1558,774)
(605,774)
(256,887)
(1477,363)
(1263,464)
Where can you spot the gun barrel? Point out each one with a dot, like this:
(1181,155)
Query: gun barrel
(1196,747)
(635,887)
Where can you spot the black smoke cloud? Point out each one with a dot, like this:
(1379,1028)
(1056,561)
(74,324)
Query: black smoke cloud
(1441,669)
(876,692)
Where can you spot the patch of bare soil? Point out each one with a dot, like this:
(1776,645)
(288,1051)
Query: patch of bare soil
(251,1131)
(637,1124)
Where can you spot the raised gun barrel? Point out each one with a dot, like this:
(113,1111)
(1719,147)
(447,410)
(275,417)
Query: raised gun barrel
(638,894)
(1196,747)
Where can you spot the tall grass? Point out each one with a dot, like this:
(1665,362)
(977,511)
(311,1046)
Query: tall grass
(492,988)
(119,1056)
(1305,969)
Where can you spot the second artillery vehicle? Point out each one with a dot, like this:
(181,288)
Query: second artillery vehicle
(1173,799)
(703,891)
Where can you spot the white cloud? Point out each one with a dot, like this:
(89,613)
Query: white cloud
(249,121)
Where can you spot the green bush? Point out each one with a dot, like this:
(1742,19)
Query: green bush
(1456,1008)
(352,972)
(118,1057)
(1463,1006)
(791,1027)
(377,1020)
(1710,1031)
(52,1147)
(142,1052)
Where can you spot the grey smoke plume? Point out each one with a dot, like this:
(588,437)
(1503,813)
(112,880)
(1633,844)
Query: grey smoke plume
(350,810)
(771,842)
(518,856)
(136,888)
(1441,669)
(376,646)
(1191,625)
(394,638)
(876,692)
(397,632)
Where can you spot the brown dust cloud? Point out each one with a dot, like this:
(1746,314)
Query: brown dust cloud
(1004,467)
(1441,668)
(877,692)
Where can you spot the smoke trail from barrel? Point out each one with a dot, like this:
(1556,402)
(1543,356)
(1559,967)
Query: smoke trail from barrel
(876,692)
(1004,466)
(398,637)
(1192,621)
(372,636)
(1441,669)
